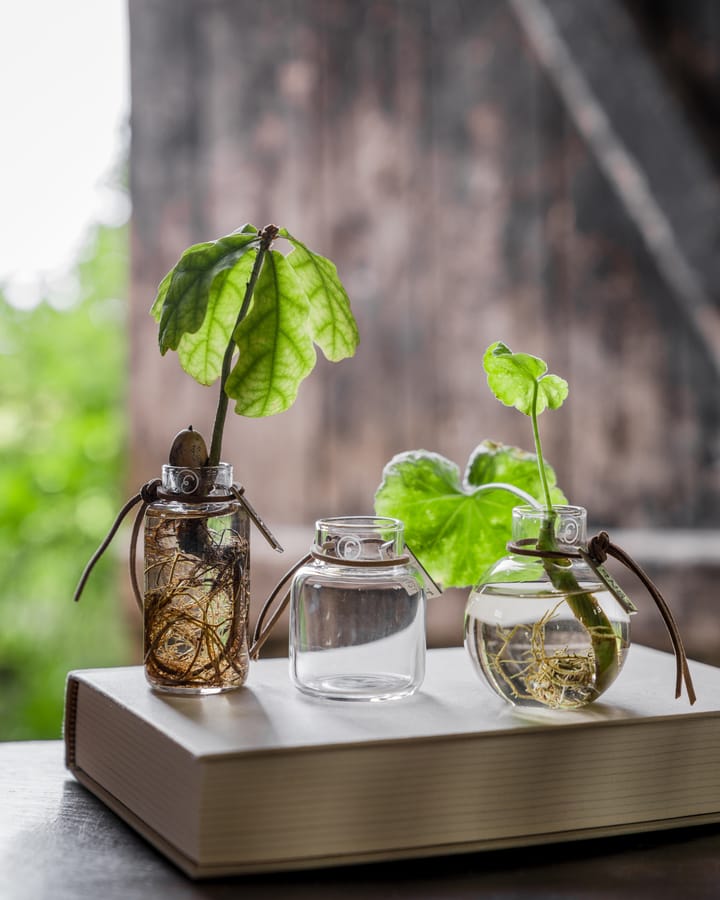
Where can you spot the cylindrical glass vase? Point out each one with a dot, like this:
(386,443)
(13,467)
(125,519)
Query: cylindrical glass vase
(545,631)
(357,613)
(197,571)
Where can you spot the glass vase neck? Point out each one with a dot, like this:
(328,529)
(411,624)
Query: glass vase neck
(569,523)
(359,537)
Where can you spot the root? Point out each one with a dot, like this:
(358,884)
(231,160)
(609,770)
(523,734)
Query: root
(560,679)
(196,605)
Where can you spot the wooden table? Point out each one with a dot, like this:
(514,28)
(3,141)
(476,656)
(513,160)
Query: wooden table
(58,841)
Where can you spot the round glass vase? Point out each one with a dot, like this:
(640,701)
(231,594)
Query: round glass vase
(357,613)
(545,632)
(197,571)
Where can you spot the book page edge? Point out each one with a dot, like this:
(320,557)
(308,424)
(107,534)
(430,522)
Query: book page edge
(198,871)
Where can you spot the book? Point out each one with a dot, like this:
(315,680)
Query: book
(266,778)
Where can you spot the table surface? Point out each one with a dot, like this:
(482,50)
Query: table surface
(58,841)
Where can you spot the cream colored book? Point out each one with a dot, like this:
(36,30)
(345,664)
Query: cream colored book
(266,778)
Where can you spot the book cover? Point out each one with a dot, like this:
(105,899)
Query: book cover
(266,778)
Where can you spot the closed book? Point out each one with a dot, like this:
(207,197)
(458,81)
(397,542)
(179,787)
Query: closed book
(266,778)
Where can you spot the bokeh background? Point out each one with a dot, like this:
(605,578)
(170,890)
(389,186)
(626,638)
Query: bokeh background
(544,172)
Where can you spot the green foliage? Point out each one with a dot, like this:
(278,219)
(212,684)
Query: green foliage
(183,297)
(331,324)
(275,348)
(201,352)
(520,380)
(458,528)
(62,437)
(271,306)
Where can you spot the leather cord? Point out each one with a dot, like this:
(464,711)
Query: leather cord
(149,489)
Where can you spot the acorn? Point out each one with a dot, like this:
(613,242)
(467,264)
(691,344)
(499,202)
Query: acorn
(188,450)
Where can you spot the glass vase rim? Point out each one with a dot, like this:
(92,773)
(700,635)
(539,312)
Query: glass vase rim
(348,538)
(568,509)
(220,467)
(353,522)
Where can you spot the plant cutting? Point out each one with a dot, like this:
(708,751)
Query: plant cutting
(236,310)
(246,316)
(546,625)
(553,675)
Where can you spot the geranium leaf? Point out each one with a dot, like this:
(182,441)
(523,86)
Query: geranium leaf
(553,391)
(492,462)
(519,380)
(458,528)
(332,324)
(275,349)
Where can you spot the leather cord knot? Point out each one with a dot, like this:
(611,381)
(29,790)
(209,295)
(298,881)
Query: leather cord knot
(599,546)
(149,491)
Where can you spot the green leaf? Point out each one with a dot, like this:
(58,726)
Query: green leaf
(183,294)
(201,353)
(491,462)
(516,379)
(156,309)
(458,528)
(275,349)
(552,392)
(332,324)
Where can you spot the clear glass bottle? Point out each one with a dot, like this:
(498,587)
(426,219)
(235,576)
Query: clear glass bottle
(546,632)
(357,613)
(197,571)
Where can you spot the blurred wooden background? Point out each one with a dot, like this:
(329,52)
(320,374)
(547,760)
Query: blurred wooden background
(544,172)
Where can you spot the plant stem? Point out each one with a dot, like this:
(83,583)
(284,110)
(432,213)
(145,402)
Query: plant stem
(266,236)
(538,452)
(587,611)
(582,603)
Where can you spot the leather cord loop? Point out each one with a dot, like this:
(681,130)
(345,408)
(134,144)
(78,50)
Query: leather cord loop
(361,563)
(106,543)
(528,547)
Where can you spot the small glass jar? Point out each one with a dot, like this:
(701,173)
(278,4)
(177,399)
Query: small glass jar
(357,613)
(197,571)
(545,631)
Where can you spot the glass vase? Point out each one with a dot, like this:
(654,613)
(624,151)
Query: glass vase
(545,631)
(196,597)
(357,613)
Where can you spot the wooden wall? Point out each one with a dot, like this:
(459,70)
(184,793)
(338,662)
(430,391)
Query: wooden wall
(441,155)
